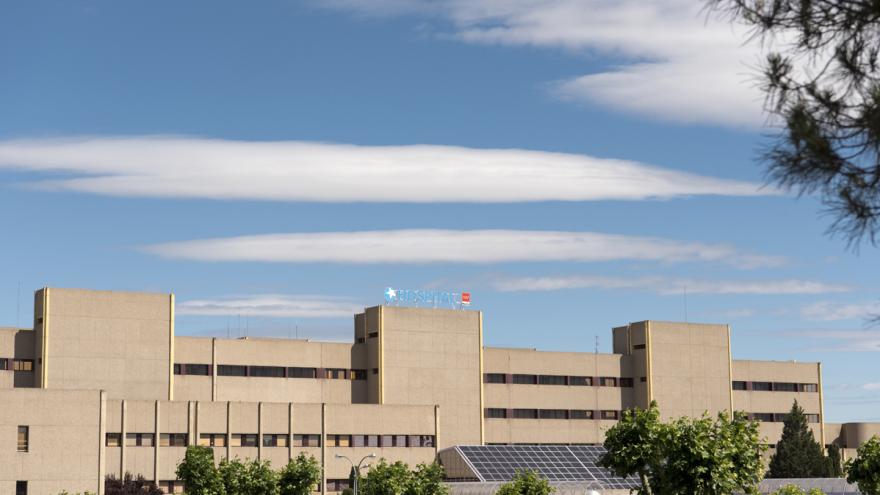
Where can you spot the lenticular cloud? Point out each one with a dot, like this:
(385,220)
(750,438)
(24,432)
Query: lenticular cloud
(320,172)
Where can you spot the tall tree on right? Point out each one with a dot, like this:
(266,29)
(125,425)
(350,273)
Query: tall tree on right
(798,454)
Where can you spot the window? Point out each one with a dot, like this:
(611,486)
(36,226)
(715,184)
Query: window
(138,439)
(231,370)
(171,486)
(337,485)
(583,381)
(375,371)
(812,418)
(172,440)
(23,365)
(178,370)
(358,374)
(738,385)
(785,387)
(525,413)
(607,381)
(4,364)
(212,439)
(495,412)
(243,440)
(609,414)
(113,440)
(192,369)
(23,438)
(306,440)
(626,382)
(553,414)
(335,373)
(267,371)
(339,440)
(809,387)
(551,380)
(643,379)
(421,440)
(639,346)
(373,335)
(365,440)
(762,386)
(274,440)
(21,488)
(302,373)
(763,417)
(494,378)
(580,414)
(525,379)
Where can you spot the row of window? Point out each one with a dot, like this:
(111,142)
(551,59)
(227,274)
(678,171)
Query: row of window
(500,413)
(250,440)
(775,386)
(583,381)
(270,371)
(779,417)
(7,364)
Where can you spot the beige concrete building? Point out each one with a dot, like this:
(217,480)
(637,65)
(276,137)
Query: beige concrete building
(102,385)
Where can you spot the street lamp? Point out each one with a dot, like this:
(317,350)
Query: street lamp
(357,470)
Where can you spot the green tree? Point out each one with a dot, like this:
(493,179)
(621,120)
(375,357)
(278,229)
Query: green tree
(300,476)
(198,472)
(248,477)
(825,88)
(835,464)
(130,485)
(798,454)
(385,479)
(696,456)
(526,482)
(796,490)
(427,479)
(864,470)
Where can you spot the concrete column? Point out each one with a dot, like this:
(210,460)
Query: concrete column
(437,429)
(156,434)
(260,431)
(324,448)
(290,431)
(191,434)
(228,430)
(102,435)
(214,370)
(124,430)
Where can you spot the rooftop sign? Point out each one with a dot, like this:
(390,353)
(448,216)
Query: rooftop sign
(432,298)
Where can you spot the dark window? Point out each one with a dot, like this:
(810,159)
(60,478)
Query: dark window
(274,440)
(178,369)
(21,488)
(361,340)
(607,381)
(626,382)
(426,440)
(243,440)
(172,440)
(336,373)
(23,438)
(375,371)
(267,371)
(525,413)
(639,346)
(231,370)
(373,335)
(582,381)
(197,369)
(113,440)
(762,386)
(643,379)
(307,440)
(358,374)
(23,365)
(551,380)
(4,364)
(738,385)
(139,440)
(580,414)
(495,412)
(525,379)
(609,414)
(812,418)
(302,372)
(495,378)
(785,387)
(553,414)
(809,387)
(763,417)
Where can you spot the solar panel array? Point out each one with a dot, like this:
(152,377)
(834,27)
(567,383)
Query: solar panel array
(556,463)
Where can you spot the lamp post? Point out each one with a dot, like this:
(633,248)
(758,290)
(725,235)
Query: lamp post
(357,470)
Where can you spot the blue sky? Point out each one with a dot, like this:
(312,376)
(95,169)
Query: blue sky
(573,164)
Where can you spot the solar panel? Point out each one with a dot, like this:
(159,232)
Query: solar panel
(556,463)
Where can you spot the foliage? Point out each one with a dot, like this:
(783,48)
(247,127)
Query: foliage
(198,472)
(300,476)
(252,477)
(864,470)
(65,492)
(826,90)
(427,479)
(526,483)
(796,490)
(798,454)
(129,485)
(385,479)
(835,464)
(698,456)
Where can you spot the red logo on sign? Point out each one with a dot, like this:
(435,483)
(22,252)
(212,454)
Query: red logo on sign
(465,297)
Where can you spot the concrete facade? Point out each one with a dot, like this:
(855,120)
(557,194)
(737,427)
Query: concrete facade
(104,375)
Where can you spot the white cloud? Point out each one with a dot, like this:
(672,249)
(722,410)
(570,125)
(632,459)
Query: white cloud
(832,311)
(308,171)
(676,61)
(871,386)
(669,286)
(272,305)
(454,246)
(842,340)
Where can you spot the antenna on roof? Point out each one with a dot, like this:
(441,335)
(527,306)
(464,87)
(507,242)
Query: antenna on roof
(597,344)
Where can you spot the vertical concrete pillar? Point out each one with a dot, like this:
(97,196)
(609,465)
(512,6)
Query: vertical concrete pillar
(191,434)
(228,430)
(437,429)
(324,448)
(102,434)
(156,434)
(214,370)
(124,432)
(260,431)
(289,431)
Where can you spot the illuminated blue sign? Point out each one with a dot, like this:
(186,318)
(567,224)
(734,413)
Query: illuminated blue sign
(434,298)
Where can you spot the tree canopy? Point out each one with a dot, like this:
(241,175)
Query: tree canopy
(798,454)
(526,482)
(821,80)
(697,456)
(864,470)
(398,479)
(198,472)
(300,476)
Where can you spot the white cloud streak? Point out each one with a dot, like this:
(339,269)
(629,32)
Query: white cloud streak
(832,311)
(272,306)
(669,286)
(455,246)
(842,340)
(677,62)
(871,386)
(152,166)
